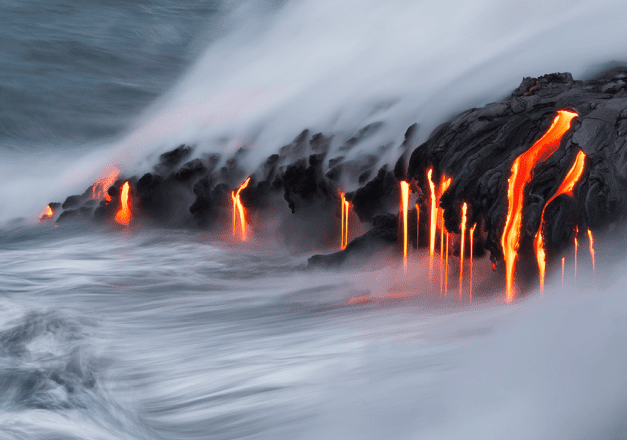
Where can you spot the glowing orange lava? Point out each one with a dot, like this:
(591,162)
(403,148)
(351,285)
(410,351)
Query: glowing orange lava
(434,217)
(461,252)
(99,190)
(445,183)
(563,260)
(404,205)
(345,207)
(521,174)
(47,214)
(239,208)
(446,276)
(472,233)
(123,216)
(567,186)
(576,248)
(417,226)
(591,242)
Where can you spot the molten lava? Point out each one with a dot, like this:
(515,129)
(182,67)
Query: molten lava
(99,190)
(563,260)
(239,208)
(461,252)
(434,217)
(345,208)
(521,174)
(445,183)
(123,216)
(591,242)
(567,186)
(446,276)
(404,205)
(576,248)
(472,233)
(47,214)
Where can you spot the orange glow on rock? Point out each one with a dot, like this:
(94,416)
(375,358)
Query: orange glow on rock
(434,217)
(123,216)
(461,252)
(99,190)
(345,208)
(404,206)
(591,243)
(472,233)
(238,208)
(47,214)
(521,174)
(567,186)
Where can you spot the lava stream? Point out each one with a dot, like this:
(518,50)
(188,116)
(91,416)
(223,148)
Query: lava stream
(404,205)
(99,190)
(591,242)
(521,174)
(576,248)
(345,208)
(461,252)
(239,208)
(472,233)
(433,222)
(446,276)
(567,186)
(123,216)
(563,260)
(417,226)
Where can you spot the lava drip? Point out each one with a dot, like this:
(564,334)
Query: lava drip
(461,252)
(563,261)
(591,243)
(123,216)
(345,208)
(444,184)
(576,248)
(99,189)
(417,226)
(472,233)
(239,208)
(433,225)
(404,206)
(567,186)
(521,174)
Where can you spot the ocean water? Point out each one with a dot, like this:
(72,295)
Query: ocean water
(134,333)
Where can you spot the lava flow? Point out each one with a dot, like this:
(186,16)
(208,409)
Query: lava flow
(576,248)
(404,205)
(434,218)
(567,186)
(461,252)
(445,183)
(591,242)
(417,226)
(47,214)
(239,208)
(123,216)
(345,206)
(99,190)
(521,174)
(472,233)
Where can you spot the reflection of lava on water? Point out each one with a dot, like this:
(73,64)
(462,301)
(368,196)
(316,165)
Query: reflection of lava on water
(488,180)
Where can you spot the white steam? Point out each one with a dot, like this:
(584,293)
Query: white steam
(336,66)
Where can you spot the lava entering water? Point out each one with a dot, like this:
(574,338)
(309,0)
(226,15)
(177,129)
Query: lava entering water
(239,208)
(591,242)
(445,183)
(521,174)
(345,207)
(404,205)
(563,261)
(472,233)
(123,216)
(567,186)
(99,190)
(417,226)
(434,217)
(576,248)
(461,252)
